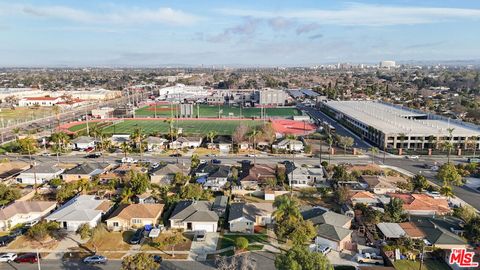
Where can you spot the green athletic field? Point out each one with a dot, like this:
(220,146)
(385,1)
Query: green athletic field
(194,127)
(212,111)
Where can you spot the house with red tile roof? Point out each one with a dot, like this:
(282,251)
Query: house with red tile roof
(39,101)
(422,204)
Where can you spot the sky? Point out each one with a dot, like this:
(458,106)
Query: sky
(141,33)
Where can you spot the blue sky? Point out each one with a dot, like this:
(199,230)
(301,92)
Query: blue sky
(246,33)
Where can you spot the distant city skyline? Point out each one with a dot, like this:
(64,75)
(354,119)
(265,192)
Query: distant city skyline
(129,33)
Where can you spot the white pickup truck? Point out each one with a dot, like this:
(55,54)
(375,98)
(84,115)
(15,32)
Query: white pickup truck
(371,258)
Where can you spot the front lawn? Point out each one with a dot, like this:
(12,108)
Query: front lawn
(109,241)
(228,240)
(158,244)
(427,265)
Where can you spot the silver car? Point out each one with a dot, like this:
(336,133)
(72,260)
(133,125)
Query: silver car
(95,259)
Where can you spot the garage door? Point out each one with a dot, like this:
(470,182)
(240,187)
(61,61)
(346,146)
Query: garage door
(206,227)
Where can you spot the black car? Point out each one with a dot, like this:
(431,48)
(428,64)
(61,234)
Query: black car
(137,237)
(157,258)
(216,161)
(19,231)
(94,155)
(176,155)
(5,240)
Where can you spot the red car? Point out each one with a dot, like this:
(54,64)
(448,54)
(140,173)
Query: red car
(27,258)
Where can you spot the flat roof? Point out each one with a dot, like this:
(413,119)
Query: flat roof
(391,230)
(393,120)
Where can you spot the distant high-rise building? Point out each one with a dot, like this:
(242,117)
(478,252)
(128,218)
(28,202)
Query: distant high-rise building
(387,64)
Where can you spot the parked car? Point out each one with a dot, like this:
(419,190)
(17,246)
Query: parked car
(216,161)
(8,257)
(200,236)
(324,249)
(371,258)
(157,258)
(30,223)
(176,155)
(412,157)
(5,240)
(95,259)
(19,231)
(137,237)
(93,155)
(27,258)
(89,149)
(129,160)
(474,160)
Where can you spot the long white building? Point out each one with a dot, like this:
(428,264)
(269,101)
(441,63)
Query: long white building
(394,127)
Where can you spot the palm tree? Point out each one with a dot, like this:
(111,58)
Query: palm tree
(16,131)
(447,191)
(137,137)
(60,139)
(374,151)
(105,144)
(448,146)
(473,143)
(170,125)
(330,143)
(56,111)
(287,208)
(95,131)
(254,134)
(402,137)
(125,148)
(211,135)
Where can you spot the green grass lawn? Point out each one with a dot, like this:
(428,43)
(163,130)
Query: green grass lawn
(213,111)
(189,127)
(427,265)
(229,240)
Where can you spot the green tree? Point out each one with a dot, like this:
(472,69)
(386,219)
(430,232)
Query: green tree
(211,135)
(340,173)
(27,145)
(172,240)
(449,175)
(139,261)
(125,147)
(194,191)
(138,137)
(8,194)
(419,183)
(241,243)
(66,191)
(195,161)
(394,210)
(138,182)
(447,190)
(303,232)
(41,230)
(374,151)
(55,182)
(342,194)
(465,212)
(300,258)
(345,142)
(280,173)
(472,229)
(84,231)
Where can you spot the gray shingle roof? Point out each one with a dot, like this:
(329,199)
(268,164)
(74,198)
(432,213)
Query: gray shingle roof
(87,168)
(198,211)
(332,232)
(235,211)
(319,215)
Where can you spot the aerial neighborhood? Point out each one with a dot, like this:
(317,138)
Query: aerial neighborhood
(178,170)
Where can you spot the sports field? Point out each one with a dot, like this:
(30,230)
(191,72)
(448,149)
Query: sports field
(189,127)
(164,110)
(21,114)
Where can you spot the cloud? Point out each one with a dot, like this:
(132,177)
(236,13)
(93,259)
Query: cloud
(246,29)
(164,15)
(317,36)
(355,14)
(424,45)
(306,28)
(280,23)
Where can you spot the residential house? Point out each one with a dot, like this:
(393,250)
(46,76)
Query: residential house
(87,170)
(218,178)
(223,143)
(307,177)
(11,169)
(194,216)
(186,142)
(119,139)
(83,142)
(364,197)
(335,237)
(423,204)
(121,172)
(220,205)
(145,198)
(243,217)
(40,174)
(131,216)
(155,143)
(83,209)
(333,229)
(383,184)
(439,232)
(289,145)
(165,174)
(24,211)
(39,101)
(254,176)
(391,230)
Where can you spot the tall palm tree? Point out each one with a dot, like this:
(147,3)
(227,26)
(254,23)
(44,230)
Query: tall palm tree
(287,208)
(95,131)
(105,144)
(61,140)
(125,147)
(56,110)
(447,191)
(448,146)
(330,143)
(170,127)
(374,151)
(211,135)
(138,137)
(253,135)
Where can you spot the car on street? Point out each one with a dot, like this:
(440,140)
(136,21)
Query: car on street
(5,240)
(19,231)
(137,237)
(157,258)
(129,160)
(412,157)
(176,155)
(250,155)
(27,258)
(95,259)
(93,155)
(216,161)
(8,257)
(200,236)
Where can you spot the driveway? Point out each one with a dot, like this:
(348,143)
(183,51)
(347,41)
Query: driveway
(337,258)
(199,250)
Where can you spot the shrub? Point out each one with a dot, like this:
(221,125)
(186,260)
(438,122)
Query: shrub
(55,182)
(41,230)
(324,164)
(84,231)
(241,243)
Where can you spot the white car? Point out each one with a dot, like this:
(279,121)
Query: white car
(413,157)
(324,249)
(129,160)
(8,257)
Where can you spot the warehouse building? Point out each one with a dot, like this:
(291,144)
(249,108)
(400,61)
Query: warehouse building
(393,127)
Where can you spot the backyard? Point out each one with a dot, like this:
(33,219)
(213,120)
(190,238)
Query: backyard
(427,265)
(165,110)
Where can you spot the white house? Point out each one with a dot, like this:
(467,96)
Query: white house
(40,174)
(186,142)
(307,177)
(288,145)
(83,142)
(39,101)
(155,143)
(24,211)
(83,209)
(243,217)
(218,179)
(194,216)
